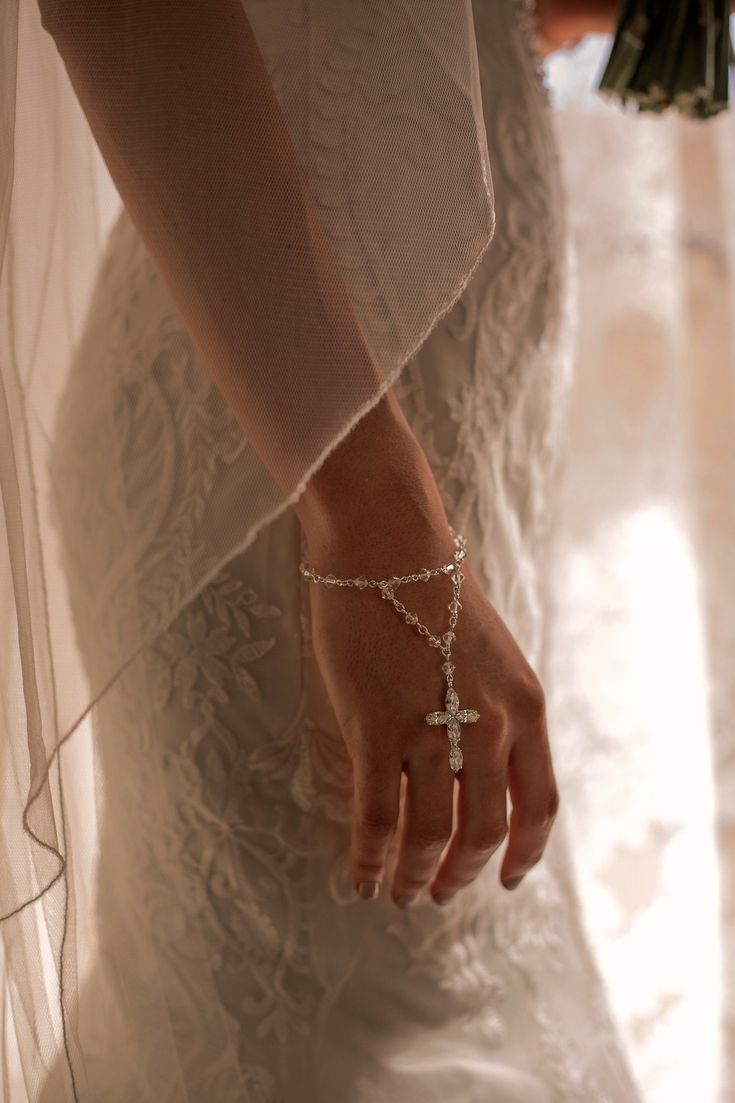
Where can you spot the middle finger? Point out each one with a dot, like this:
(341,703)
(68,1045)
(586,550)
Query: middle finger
(428,817)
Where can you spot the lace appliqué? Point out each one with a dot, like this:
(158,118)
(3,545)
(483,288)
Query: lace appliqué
(525,11)
(238,847)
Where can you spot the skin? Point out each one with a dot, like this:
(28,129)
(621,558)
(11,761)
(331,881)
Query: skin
(373,507)
(562,23)
(360,645)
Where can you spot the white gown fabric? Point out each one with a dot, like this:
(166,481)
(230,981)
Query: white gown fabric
(641,681)
(234,961)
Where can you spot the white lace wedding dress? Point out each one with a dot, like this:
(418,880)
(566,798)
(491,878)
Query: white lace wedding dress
(229,930)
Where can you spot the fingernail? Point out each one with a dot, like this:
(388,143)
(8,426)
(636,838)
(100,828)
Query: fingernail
(406,899)
(513,882)
(443,897)
(368,890)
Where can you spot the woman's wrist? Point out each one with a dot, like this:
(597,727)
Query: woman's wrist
(374,499)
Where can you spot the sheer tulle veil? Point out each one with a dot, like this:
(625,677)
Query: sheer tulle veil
(408,212)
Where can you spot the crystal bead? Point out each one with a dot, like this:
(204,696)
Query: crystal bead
(424,574)
(448,668)
(448,637)
(330,580)
(434,642)
(411,618)
(361,582)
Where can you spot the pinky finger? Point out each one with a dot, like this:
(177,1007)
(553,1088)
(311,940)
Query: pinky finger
(535,799)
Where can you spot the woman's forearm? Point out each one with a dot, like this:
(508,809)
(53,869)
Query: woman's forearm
(179,100)
(374,489)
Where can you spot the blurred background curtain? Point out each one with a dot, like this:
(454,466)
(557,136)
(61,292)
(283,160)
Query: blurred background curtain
(643,627)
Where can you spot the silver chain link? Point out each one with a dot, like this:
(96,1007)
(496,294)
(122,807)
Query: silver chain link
(388,585)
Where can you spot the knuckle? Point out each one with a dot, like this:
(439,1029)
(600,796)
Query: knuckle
(533,857)
(434,753)
(492,780)
(375,823)
(373,764)
(531,700)
(541,816)
(457,884)
(485,836)
(494,721)
(493,772)
(538,820)
(432,836)
(367,870)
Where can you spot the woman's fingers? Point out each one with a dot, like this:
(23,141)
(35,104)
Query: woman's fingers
(377,787)
(481,814)
(506,749)
(535,800)
(428,816)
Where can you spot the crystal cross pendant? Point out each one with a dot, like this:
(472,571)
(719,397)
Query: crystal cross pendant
(453,717)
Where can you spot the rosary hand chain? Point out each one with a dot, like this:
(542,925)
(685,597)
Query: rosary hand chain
(420,576)
(452,715)
(387,586)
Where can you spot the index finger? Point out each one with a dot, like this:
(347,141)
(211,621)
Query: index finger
(377,790)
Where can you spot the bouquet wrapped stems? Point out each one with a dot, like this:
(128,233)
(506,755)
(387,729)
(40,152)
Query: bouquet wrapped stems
(671,53)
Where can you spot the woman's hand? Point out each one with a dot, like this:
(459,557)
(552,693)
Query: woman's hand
(383,678)
(562,23)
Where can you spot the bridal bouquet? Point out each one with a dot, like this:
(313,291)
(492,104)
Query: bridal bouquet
(671,53)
